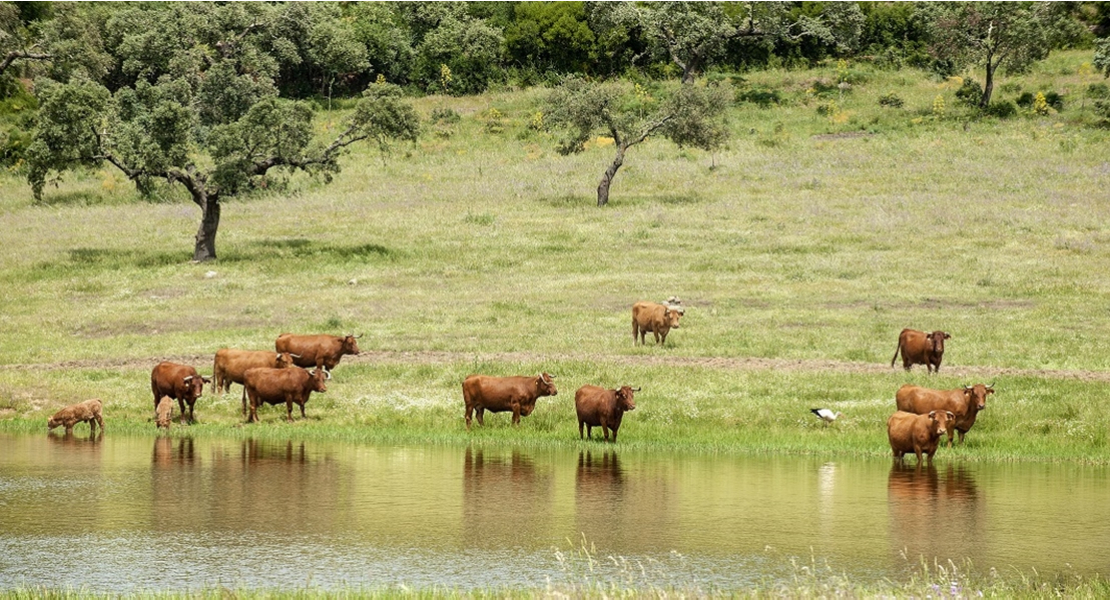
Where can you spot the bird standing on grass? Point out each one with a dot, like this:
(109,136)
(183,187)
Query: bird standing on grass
(826,415)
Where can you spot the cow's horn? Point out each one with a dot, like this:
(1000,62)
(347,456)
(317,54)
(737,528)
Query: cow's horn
(188,378)
(294,355)
(635,389)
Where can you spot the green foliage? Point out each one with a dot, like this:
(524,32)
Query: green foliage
(66,133)
(468,48)
(994,34)
(970,93)
(550,36)
(761,97)
(1102,56)
(1002,109)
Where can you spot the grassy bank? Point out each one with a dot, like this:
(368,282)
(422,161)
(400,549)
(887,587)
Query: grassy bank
(800,251)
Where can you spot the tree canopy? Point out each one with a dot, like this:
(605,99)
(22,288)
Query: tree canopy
(629,114)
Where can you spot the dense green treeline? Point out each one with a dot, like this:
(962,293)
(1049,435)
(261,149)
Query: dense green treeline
(337,48)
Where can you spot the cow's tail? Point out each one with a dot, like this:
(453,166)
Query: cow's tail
(896,351)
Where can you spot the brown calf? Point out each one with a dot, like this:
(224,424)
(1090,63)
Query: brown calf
(88,411)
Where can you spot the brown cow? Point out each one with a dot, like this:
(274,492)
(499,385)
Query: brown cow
(312,350)
(498,394)
(180,382)
(230,365)
(965,403)
(658,319)
(599,407)
(88,411)
(917,433)
(162,414)
(292,386)
(920,348)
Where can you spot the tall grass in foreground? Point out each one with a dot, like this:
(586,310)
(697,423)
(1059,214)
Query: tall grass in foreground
(585,574)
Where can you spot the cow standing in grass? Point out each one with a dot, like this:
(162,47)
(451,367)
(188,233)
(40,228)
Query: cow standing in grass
(920,348)
(292,386)
(964,403)
(657,319)
(230,365)
(599,407)
(499,394)
(312,350)
(180,382)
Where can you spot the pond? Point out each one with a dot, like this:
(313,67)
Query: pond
(122,514)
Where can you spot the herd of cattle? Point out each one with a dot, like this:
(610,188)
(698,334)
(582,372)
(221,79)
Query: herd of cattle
(283,376)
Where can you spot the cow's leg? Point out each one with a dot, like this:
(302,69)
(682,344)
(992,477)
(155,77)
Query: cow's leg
(614,435)
(192,418)
(962,437)
(181,406)
(481,415)
(950,432)
(289,410)
(580,429)
(469,413)
(302,410)
(516,413)
(589,432)
(663,339)
(605,430)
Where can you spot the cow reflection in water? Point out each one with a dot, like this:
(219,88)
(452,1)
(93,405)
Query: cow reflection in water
(599,494)
(90,441)
(177,484)
(934,516)
(506,499)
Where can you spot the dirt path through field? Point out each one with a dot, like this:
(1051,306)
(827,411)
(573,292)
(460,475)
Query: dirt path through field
(977,373)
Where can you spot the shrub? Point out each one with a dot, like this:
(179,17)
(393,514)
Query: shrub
(970,93)
(1054,100)
(445,115)
(1098,90)
(1002,109)
(891,100)
(1025,100)
(763,98)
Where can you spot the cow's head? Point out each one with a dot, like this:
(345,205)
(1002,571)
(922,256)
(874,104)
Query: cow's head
(671,315)
(624,398)
(936,341)
(977,395)
(320,376)
(545,385)
(194,386)
(939,421)
(350,344)
(51,423)
(284,359)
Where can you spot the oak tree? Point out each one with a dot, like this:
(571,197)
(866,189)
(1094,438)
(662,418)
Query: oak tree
(687,115)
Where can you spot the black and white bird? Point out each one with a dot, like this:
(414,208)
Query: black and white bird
(826,415)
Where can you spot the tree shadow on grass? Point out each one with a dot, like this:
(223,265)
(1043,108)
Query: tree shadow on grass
(301,248)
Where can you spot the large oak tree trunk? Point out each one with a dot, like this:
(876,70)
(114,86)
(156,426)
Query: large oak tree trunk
(607,179)
(205,248)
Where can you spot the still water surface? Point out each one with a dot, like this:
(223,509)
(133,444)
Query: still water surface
(120,514)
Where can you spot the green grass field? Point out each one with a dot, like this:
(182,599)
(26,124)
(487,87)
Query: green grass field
(800,252)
